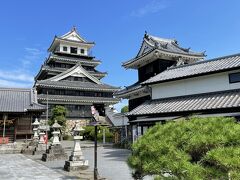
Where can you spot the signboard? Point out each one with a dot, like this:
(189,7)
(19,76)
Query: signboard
(7,122)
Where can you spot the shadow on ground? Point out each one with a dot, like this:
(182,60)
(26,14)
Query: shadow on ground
(116,154)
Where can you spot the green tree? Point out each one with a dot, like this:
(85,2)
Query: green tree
(59,114)
(198,148)
(89,133)
(124,109)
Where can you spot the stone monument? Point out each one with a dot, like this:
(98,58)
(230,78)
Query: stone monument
(76,159)
(55,150)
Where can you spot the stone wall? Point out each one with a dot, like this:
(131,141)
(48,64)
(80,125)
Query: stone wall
(70,124)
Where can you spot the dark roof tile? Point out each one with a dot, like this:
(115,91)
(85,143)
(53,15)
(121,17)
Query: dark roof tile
(196,69)
(79,99)
(18,100)
(76,85)
(206,101)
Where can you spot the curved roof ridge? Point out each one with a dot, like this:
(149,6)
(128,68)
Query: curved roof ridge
(162,39)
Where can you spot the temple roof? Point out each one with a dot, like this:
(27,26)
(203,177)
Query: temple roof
(78,85)
(220,64)
(154,47)
(190,103)
(19,100)
(76,70)
(76,99)
(72,37)
(47,68)
(133,89)
(84,60)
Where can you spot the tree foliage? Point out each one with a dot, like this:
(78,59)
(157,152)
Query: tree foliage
(124,109)
(199,148)
(59,114)
(89,133)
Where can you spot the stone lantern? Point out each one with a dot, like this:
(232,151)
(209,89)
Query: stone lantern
(56,132)
(35,129)
(77,137)
(76,160)
(55,151)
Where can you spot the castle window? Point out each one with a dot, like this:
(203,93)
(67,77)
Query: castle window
(82,51)
(73,50)
(65,48)
(234,77)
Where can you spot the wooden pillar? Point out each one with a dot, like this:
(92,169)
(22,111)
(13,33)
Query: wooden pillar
(5,116)
(15,129)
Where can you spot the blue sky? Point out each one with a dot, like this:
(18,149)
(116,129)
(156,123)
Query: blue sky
(117,27)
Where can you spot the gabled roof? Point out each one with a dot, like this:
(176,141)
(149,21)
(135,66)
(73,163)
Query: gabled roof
(72,37)
(56,70)
(19,100)
(154,47)
(190,103)
(76,70)
(220,64)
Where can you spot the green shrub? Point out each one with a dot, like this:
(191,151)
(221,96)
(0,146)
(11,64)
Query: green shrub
(68,137)
(89,133)
(199,148)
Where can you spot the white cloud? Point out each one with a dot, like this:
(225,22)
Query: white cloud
(33,51)
(16,75)
(14,84)
(21,75)
(153,7)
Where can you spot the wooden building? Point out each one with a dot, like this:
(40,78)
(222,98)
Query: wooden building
(155,56)
(70,78)
(180,84)
(18,109)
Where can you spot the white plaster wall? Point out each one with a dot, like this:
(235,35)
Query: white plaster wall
(202,84)
(78,47)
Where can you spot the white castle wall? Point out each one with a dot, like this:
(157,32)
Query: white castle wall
(196,85)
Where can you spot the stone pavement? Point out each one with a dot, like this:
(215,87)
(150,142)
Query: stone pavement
(111,162)
(18,167)
(111,165)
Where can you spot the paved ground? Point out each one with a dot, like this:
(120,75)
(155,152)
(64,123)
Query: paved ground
(17,166)
(111,165)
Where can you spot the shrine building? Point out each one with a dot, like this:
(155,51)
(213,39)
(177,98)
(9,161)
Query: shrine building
(18,109)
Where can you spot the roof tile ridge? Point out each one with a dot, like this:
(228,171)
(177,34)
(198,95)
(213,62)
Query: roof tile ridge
(15,89)
(203,61)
